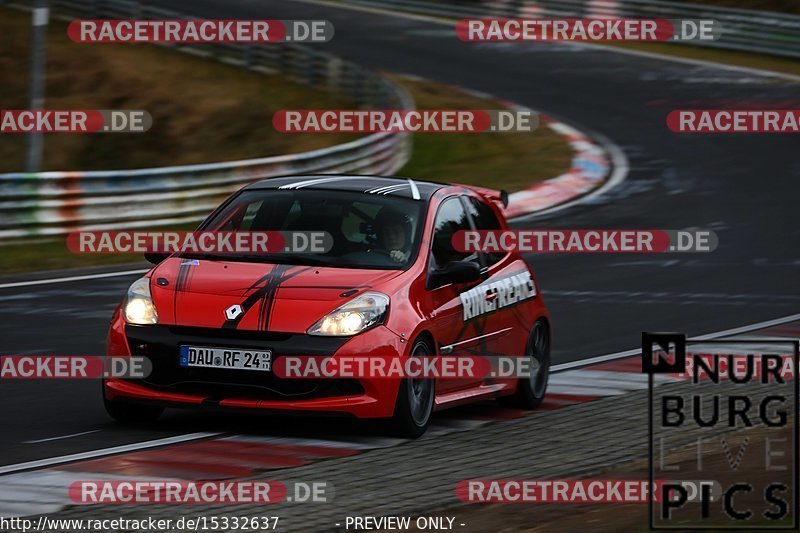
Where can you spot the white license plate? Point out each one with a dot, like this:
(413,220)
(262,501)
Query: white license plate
(227,358)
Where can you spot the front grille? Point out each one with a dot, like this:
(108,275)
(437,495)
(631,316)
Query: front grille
(160,344)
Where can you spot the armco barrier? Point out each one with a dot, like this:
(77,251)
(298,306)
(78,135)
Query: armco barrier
(742,29)
(55,203)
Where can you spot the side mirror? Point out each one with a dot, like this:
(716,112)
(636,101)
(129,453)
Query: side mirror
(456,272)
(155,257)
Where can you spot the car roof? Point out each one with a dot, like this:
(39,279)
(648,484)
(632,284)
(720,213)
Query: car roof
(385,185)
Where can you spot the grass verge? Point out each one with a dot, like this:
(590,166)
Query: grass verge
(511,161)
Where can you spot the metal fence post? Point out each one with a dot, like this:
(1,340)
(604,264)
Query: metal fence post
(40,18)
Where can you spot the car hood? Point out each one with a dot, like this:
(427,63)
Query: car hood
(272,297)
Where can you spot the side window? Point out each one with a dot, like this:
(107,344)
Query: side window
(484,219)
(450,218)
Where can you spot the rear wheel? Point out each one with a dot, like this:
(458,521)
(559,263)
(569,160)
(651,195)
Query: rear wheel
(129,413)
(531,390)
(414,405)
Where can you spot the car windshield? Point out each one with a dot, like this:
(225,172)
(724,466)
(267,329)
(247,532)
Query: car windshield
(366,230)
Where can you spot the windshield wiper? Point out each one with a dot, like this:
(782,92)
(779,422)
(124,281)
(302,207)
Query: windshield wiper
(289,259)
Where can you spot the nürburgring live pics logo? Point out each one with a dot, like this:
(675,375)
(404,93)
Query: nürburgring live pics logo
(723,432)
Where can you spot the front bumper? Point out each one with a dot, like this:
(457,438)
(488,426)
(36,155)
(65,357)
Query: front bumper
(172,385)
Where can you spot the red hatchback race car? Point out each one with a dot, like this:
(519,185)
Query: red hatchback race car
(391,284)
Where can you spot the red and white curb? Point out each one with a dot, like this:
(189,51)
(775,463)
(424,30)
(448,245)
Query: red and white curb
(591,167)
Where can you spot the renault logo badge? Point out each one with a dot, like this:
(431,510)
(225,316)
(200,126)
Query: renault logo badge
(233,311)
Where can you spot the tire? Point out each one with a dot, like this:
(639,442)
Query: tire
(130,413)
(531,390)
(414,405)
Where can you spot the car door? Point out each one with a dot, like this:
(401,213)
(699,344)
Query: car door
(454,336)
(508,284)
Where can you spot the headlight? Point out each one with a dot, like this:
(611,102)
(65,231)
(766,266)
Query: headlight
(139,308)
(353,317)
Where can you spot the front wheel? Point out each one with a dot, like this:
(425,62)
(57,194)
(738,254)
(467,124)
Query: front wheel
(414,406)
(530,390)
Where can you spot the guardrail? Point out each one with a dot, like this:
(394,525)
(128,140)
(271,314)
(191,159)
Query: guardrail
(55,203)
(742,29)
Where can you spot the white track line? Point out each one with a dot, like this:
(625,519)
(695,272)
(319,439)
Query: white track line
(578,380)
(368,444)
(617,376)
(707,336)
(588,390)
(41,463)
(61,437)
(71,278)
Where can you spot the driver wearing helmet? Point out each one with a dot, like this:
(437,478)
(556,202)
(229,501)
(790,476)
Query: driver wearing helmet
(393,230)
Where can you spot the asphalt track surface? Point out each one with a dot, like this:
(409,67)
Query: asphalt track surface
(742,186)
